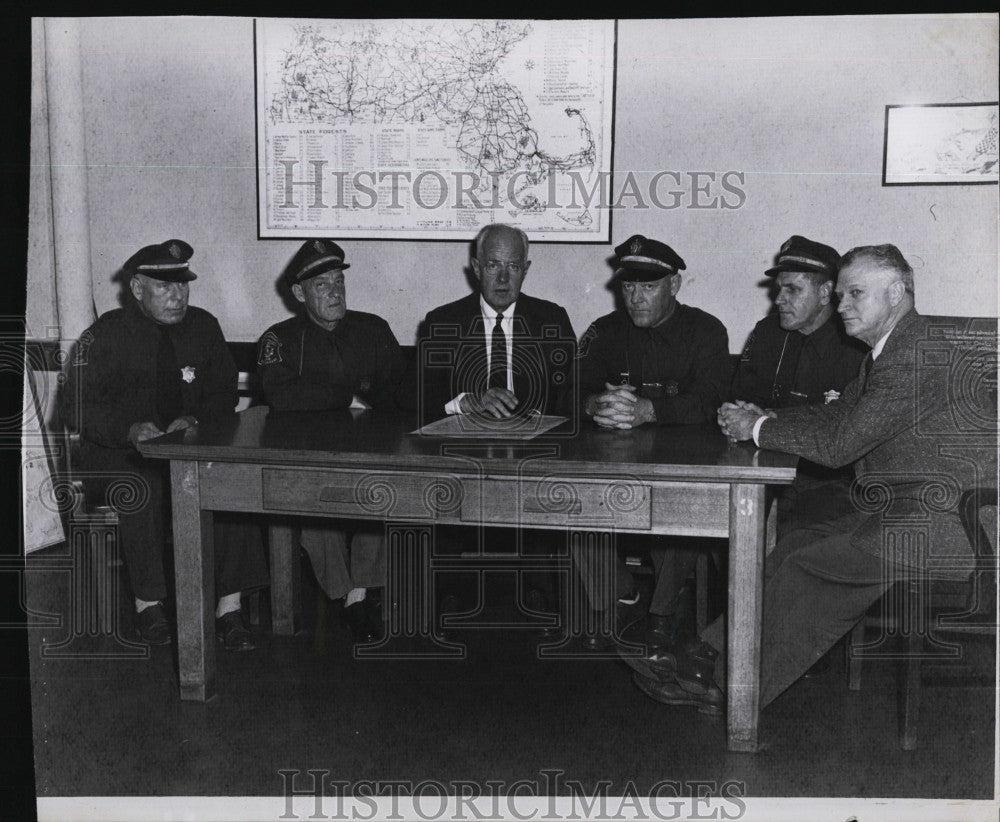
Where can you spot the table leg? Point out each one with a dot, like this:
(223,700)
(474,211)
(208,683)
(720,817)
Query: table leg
(194,570)
(284,578)
(771,529)
(746,565)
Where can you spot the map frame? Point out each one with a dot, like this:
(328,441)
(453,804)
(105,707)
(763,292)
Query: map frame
(499,210)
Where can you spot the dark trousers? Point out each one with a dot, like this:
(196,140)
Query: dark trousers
(138,489)
(816,588)
(812,499)
(605,576)
(672,565)
(451,540)
(339,568)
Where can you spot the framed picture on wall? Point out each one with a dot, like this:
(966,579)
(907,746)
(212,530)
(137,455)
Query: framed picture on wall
(940,144)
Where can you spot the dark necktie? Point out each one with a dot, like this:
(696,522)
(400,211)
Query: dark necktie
(168,380)
(498,356)
(866,370)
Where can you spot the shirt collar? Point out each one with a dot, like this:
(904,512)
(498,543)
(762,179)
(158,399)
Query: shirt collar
(490,313)
(903,322)
(877,348)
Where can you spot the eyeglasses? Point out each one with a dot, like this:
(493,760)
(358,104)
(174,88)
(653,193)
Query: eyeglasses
(495,266)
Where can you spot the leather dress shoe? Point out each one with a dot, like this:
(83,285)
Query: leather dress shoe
(711,703)
(152,626)
(690,664)
(232,631)
(358,619)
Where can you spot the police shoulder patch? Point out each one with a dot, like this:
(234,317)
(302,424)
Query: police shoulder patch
(269,351)
(588,337)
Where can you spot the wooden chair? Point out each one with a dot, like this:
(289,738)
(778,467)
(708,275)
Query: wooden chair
(922,614)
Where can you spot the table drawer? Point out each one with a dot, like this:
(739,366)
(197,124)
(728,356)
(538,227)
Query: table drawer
(364,494)
(582,503)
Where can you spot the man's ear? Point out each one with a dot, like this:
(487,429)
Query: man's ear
(675,284)
(297,292)
(476,269)
(826,292)
(896,293)
(135,286)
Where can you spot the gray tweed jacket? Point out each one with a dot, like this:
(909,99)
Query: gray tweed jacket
(916,436)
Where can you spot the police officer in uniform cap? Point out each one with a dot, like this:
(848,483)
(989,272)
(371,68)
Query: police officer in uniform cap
(155,366)
(799,355)
(328,358)
(655,361)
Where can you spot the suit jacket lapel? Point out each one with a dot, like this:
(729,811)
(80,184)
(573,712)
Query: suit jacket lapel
(521,329)
(899,339)
(475,339)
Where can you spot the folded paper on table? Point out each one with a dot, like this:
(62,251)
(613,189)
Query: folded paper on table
(475,426)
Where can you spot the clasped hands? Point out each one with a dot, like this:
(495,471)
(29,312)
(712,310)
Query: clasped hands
(498,403)
(140,431)
(618,406)
(737,419)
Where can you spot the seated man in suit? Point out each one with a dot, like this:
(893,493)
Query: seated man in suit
(158,365)
(508,354)
(823,577)
(656,362)
(328,358)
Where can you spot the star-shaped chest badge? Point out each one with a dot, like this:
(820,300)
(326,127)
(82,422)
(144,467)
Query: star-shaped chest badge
(187,373)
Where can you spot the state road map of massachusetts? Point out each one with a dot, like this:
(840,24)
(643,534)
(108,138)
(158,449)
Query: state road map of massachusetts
(431,129)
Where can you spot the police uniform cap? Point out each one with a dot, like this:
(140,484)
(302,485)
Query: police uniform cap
(314,258)
(166,261)
(801,254)
(644,260)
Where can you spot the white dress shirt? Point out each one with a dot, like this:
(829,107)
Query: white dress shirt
(489,313)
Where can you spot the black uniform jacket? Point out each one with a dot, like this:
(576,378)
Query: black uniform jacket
(687,354)
(112,381)
(780,368)
(451,356)
(304,367)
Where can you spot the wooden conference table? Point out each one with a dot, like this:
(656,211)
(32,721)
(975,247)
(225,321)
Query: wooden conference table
(367,465)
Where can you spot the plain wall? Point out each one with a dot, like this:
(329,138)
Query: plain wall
(797,105)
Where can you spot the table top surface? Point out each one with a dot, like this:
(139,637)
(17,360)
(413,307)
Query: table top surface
(385,440)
